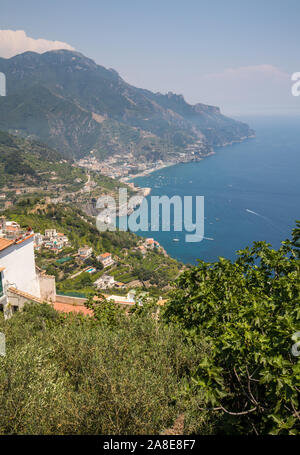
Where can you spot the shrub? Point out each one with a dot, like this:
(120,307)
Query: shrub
(248,312)
(75,375)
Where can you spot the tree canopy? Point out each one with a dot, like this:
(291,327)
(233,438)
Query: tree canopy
(248,312)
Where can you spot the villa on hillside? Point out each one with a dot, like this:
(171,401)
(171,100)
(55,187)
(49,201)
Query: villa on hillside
(105,259)
(85,252)
(104,282)
(75,305)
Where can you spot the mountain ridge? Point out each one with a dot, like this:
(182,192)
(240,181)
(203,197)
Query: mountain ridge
(74,105)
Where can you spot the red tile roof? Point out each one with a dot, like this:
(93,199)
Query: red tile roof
(24,238)
(69,308)
(5,243)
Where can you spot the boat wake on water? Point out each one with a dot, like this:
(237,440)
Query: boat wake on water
(267,220)
(254,213)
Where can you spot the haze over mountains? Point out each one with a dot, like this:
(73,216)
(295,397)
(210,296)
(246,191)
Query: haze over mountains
(74,105)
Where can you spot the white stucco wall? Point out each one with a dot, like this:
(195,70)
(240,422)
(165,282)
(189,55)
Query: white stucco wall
(19,263)
(47,287)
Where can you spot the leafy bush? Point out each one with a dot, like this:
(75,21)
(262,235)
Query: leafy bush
(248,312)
(75,375)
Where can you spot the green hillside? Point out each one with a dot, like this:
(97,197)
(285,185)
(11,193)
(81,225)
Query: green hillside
(155,270)
(30,169)
(25,162)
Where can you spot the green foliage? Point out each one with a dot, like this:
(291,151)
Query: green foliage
(218,354)
(247,312)
(34,164)
(104,310)
(75,375)
(81,230)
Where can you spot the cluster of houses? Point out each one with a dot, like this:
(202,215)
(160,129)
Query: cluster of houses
(105,259)
(107,281)
(9,229)
(21,281)
(115,166)
(52,240)
(56,241)
(149,244)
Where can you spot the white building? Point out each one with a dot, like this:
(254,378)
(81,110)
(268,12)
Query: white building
(85,252)
(38,240)
(104,282)
(18,264)
(11,229)
(105,259)
(50,233)
(19,279)
(52,240)
(129,299)
(62,238)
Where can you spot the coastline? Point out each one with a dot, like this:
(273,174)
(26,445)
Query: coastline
(132,177)
(146,172)
(169,245)
(239,178)
(143,192)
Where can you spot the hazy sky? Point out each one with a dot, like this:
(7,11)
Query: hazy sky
(236,54)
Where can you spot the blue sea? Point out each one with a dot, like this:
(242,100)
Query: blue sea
(251,191)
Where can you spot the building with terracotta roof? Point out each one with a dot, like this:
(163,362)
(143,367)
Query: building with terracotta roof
(68,304)
(71,308)
(105,259)
(20,281)
(149,241)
